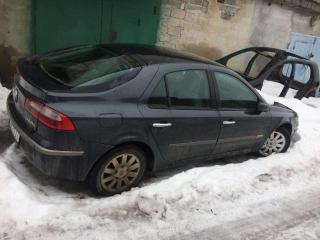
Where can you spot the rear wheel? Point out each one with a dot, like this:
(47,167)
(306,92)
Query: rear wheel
(119,171)
(278,142)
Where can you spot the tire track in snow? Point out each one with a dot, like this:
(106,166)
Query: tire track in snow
(288,215)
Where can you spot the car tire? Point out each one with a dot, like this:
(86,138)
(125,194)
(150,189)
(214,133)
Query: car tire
(278,142)
(118,171)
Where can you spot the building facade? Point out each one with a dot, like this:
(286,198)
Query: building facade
(211,28)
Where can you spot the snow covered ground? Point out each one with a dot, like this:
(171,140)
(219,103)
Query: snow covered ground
(275,88)
(276,197)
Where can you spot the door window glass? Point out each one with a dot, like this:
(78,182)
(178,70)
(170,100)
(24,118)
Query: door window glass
(158,97)
(240,62)
(260,62)
(189,88)
(234,93)
(254,61)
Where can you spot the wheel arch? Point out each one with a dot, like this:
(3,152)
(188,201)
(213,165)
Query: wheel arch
(283,125)
(150,156)
(144,147)
(287,126)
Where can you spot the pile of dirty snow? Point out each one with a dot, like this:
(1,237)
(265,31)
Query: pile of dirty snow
(4,92)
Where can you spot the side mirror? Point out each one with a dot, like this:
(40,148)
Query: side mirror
(262,107)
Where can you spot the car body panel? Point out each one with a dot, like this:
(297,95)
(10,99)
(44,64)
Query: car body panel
(175,143)
(250,128)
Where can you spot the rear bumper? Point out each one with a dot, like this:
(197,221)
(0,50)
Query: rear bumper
(38,147)
(72,165)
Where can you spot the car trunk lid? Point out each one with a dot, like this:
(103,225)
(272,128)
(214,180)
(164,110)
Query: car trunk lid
(27,84)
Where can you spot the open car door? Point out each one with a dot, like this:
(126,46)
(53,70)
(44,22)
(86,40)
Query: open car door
(260,64)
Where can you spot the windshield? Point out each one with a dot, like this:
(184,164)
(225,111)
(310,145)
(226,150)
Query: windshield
(89,66)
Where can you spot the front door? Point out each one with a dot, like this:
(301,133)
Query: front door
(243,127)
(180,114)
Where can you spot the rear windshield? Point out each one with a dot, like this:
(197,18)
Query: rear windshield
(89,66)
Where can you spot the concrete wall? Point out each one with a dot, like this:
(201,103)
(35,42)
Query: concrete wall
(273,24)
(213,28)
(204,27)
(14,35)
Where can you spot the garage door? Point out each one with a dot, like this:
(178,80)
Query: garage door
(307,46)
(60,23)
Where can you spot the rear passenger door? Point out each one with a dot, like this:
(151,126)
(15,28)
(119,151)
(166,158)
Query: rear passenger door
(243,126)
(180,111)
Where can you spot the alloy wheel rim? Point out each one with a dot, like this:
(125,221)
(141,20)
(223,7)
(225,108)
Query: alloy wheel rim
(274,144)
(120,172)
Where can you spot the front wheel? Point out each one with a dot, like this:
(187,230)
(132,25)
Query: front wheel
(120,170)
(278,142)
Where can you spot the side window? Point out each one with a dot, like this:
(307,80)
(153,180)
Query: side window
(234,93)
(240,62)
(158,97)
(259,61)
(189,88)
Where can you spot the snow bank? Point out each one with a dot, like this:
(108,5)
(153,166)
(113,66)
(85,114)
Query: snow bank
(33,206)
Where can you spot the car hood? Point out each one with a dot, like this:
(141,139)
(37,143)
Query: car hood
(279,107)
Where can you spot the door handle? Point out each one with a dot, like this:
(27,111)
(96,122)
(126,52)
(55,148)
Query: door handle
(229,122)
(161,125)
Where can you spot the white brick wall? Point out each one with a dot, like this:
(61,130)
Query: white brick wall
(213,29)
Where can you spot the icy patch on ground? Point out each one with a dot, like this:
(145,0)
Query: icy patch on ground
(33,206)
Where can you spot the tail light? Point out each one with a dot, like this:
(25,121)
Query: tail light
(48,116)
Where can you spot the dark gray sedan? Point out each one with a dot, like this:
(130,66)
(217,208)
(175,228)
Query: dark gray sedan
(109,113)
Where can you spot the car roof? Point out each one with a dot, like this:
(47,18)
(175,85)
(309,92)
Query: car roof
(144,54)
(150,54)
